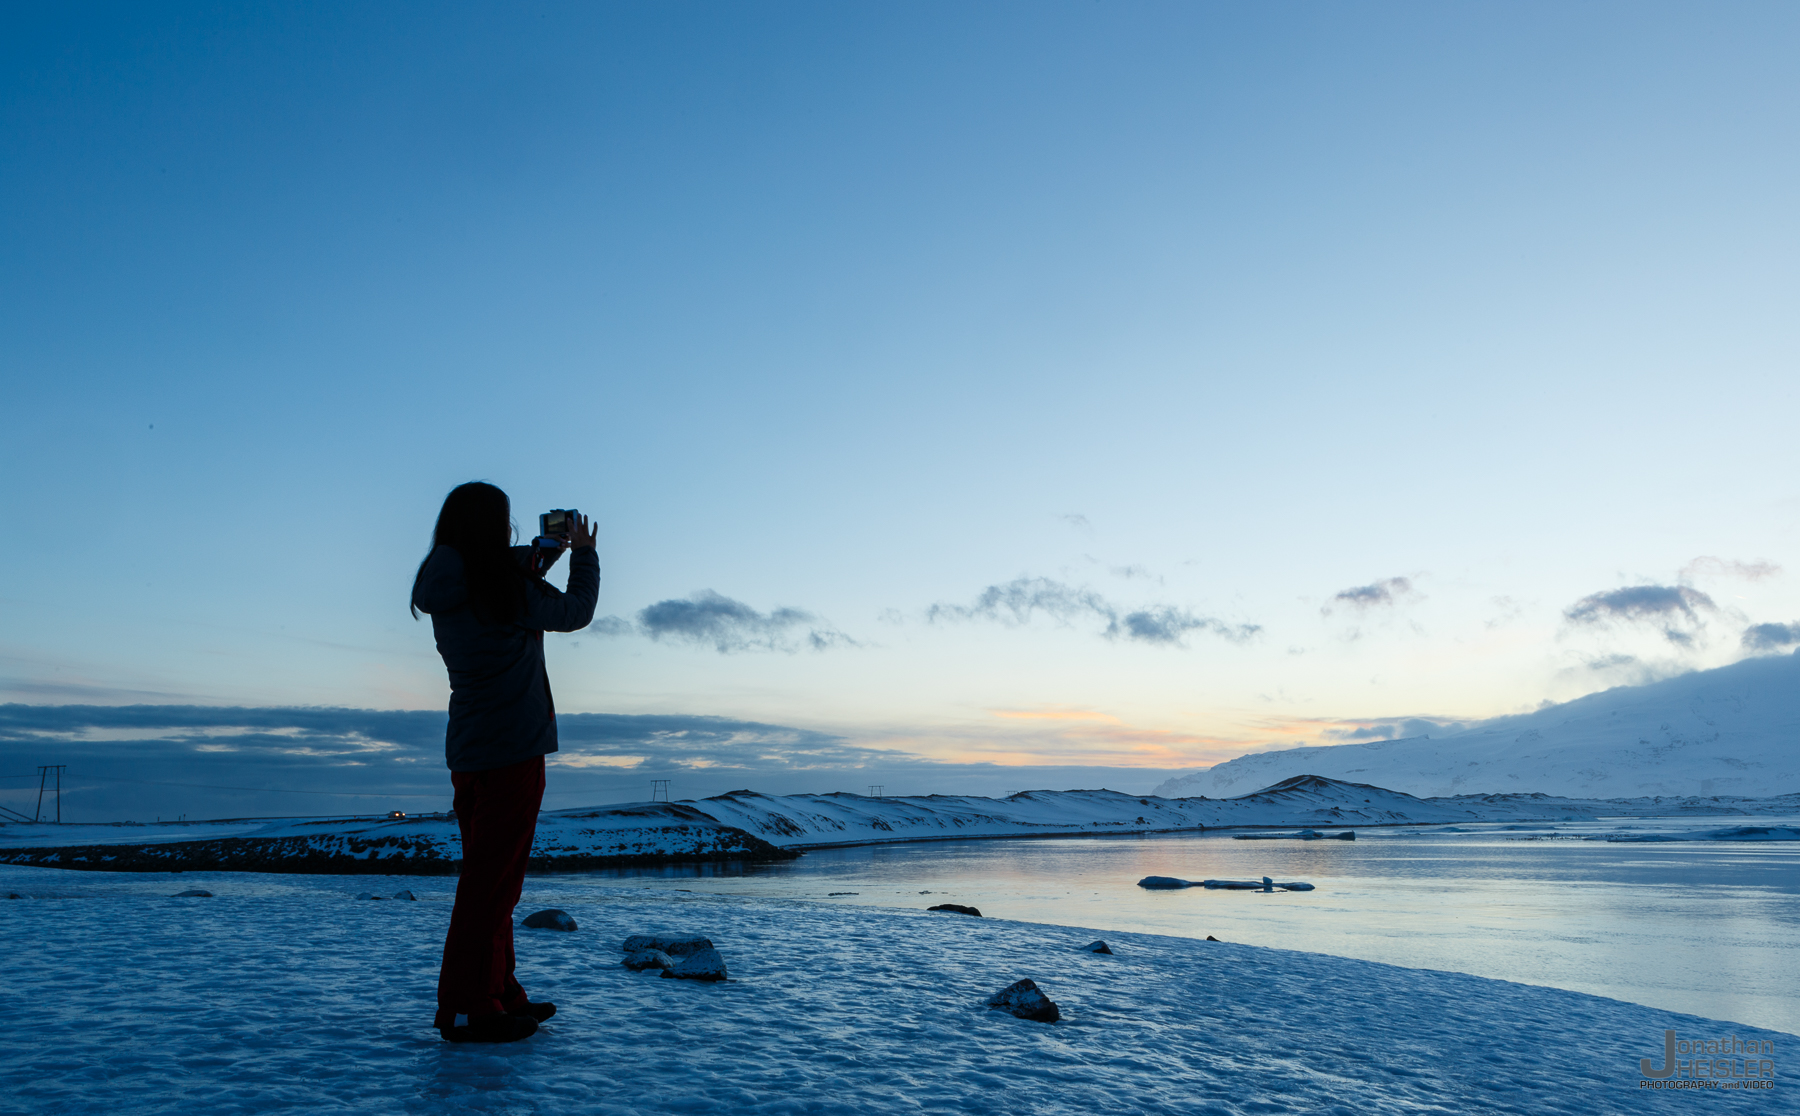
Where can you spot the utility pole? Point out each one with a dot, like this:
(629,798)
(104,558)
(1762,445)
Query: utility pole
(659,790)
(44,770)
(875,790)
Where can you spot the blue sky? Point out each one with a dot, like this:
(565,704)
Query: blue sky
(1127,386)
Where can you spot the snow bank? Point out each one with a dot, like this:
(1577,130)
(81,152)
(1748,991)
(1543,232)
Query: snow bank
(305,1001)
(1730,731)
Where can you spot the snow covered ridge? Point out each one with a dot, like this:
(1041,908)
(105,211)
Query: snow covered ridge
(567,840)
(746,825)
(803,821)
(1730,731)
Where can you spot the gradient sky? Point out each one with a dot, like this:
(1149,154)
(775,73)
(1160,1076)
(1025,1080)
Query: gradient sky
(1124,385)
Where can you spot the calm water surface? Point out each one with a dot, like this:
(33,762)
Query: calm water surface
(1707,927)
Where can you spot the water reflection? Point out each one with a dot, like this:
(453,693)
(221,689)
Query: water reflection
(1709,928)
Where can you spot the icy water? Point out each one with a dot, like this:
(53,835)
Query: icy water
(1706,927)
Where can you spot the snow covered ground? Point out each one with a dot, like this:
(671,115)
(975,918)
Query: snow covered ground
(1730,731)
(284,994)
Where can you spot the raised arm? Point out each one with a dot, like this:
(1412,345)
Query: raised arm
(548,610)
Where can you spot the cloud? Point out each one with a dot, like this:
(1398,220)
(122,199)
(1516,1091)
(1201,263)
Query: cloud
(1135,573)
(1020,601)
(146,761)
(693,742)
(1398,728)
(1623,670)
(1771,637)
(1017,601)
(142,762)
(1386,593)
(1708,566)
(728,625)
(1509,610)
(1078,522)
(1672,609)
(1166,624)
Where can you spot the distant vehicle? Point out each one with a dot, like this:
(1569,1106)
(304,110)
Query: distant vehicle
(396,813)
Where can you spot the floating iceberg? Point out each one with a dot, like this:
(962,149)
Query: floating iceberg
(1170,883)
(1303,835)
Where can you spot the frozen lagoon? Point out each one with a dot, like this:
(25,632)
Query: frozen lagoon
(1711,928)
(285,994)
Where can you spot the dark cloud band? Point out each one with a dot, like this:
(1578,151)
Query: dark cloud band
(148,761)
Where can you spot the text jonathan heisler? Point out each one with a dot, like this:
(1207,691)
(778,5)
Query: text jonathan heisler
(1710,1063)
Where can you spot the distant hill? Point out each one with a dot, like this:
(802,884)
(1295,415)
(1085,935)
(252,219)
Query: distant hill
(746,825)
(1730,731)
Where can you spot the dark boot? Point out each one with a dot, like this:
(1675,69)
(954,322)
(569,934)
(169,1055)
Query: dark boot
(495,1027)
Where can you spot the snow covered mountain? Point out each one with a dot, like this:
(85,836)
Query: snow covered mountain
(1730,731)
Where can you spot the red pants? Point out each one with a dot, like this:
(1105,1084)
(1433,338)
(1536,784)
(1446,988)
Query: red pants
(497,812)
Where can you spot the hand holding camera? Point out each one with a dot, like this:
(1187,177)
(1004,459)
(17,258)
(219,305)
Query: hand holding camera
(559,530)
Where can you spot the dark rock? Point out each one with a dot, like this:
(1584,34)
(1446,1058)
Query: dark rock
(702,964)
(640,959)
(956,908)
(550,919)
(1096,947)
(193,893)
(407,896)
(1210,938)
(367,895)
(14,895)
(675,945)
(1025,1000)
(1163,883)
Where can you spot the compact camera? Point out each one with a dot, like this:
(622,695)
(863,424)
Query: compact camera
(558,524)
(555,531)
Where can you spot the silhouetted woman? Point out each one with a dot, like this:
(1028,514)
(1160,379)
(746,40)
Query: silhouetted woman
(489,613)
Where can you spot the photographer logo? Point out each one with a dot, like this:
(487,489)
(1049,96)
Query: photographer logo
(1715,1063)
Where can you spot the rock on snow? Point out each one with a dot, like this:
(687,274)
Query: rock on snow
(675,945)
(1025,1000)
(956,908)
(702,964)
(550,919)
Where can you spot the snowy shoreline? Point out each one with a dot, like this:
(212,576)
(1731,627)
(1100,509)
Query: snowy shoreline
(260,1000)
(748,826)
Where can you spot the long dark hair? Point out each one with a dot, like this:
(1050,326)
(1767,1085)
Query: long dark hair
(477,520)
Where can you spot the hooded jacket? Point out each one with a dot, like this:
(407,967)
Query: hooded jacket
(501,712)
